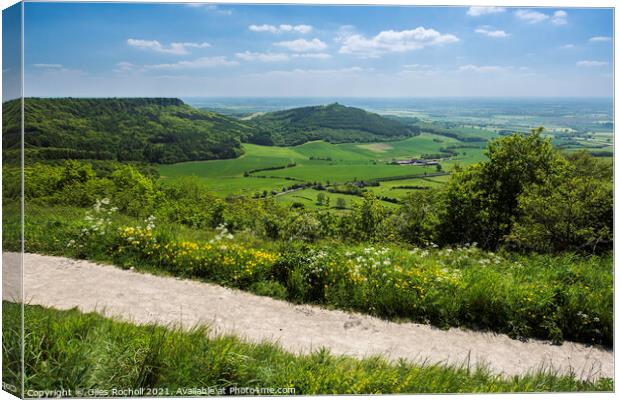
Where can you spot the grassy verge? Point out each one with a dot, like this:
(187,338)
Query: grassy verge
(74,351)
(564,297)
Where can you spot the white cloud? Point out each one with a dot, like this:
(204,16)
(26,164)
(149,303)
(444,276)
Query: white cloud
(416,66)
(263,57)
(211,7)
(478,11)
(559,18)
(532,17)
(392,42)
(301,71)
(303,29)
(484,68)
(320,56)
(419,69)
(202,62)
(568,46)
(600,39)
(218,10)
(263,28)
(303,45)
(124,66)
(56,70)
(344,31)
(48,66)
(173,48)
(591,63)
(493,34)
(296,28)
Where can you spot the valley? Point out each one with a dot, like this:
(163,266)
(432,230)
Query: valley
(452,137)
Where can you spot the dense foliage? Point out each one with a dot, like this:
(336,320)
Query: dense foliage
(81,352)
(526,196)
(333,123)
(158,130)
(530,196)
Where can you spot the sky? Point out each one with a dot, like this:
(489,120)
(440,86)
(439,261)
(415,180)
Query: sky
(182,50)
(11,52)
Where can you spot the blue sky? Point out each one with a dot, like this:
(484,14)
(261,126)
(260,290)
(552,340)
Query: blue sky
(183,50)
(11,52)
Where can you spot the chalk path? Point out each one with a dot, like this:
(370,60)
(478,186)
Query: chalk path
(143,298)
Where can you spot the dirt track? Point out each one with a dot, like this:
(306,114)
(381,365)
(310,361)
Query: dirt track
(64,283)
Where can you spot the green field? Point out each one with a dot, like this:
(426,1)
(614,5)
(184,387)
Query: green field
(316,161)
(308,197)
(400,188)
(409,148)
(328,164)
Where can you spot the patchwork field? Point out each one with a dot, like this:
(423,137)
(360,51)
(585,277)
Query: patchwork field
(289,172)
(272,168)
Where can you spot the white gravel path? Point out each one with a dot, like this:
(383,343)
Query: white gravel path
(143,298)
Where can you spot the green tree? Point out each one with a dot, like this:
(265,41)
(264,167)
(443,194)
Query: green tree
(367,216)
(341,203)
(570,212)
(302,226)
(320,198)
(417,219)
(481,202)
(74,172)
(134,193)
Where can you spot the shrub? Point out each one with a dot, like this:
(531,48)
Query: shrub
(302,226)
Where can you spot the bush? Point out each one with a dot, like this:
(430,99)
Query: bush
(270,289)
(134,193)
(302,226)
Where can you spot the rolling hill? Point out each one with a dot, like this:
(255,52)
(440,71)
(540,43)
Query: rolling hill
(333,123)
(160,130)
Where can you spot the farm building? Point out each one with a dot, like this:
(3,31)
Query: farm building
(417,162)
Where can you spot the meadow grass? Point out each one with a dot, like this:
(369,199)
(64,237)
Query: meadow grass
(335,172)
(308,197)
(401,188)
(426,143)
(247,186)
(255,157)
(75,351)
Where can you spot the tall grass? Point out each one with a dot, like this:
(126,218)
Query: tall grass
(86,353)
